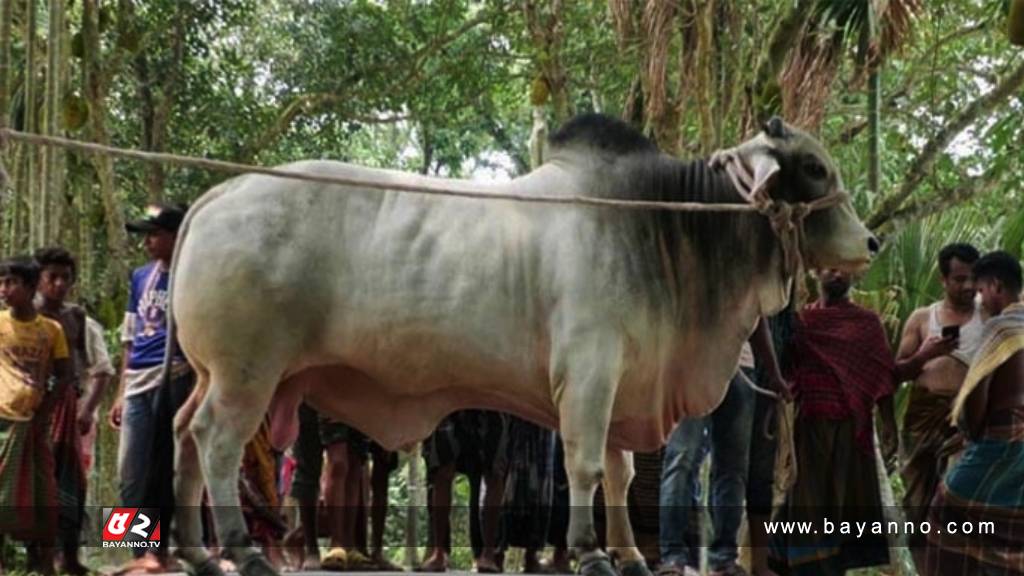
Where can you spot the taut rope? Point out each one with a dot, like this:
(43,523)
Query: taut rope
(786,218)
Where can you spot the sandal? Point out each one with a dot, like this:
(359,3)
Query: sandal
(356,561)
(336,560)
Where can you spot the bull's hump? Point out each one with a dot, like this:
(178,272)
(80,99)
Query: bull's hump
(603,133)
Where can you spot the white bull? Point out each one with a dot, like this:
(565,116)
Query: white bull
(390,310)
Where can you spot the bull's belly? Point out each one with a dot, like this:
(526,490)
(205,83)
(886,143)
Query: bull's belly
(397,414)
(401,401)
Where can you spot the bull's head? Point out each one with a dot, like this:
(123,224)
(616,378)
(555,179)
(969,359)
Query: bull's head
(787,164)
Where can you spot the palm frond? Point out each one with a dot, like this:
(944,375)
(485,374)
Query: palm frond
(1012,234)
(897,19)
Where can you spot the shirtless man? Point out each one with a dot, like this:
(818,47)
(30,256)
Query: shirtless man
(937,364)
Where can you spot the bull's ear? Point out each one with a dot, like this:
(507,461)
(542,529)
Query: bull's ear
(753,170)
(776,128)
(766,168)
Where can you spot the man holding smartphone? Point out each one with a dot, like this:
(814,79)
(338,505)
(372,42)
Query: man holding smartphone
(935,350)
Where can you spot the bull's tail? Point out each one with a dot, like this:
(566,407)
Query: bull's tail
(172,336)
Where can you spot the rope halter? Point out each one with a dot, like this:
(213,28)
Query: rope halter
(786,218)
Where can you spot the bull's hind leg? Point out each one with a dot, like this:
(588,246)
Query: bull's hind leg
(226,420)
(188,487)
(621,545)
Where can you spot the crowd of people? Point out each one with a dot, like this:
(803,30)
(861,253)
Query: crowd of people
(961,445)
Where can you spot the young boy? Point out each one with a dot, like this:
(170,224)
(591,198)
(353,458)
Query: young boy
(56,278)
(32,349)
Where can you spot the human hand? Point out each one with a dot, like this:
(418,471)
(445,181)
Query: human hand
(114,416)
(936,346)
(778,384)
(86,418)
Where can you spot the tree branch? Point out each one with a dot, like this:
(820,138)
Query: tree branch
(316,102)
(504,141)
(922,165)
(968,189)
(305,104)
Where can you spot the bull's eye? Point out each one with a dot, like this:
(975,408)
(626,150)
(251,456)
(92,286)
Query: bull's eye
(815,170)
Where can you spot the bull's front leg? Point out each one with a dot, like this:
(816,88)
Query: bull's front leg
(621,545)
(585,410)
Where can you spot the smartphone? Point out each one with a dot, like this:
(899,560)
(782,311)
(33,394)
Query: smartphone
(951,332)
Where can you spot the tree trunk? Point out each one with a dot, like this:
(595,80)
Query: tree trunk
(1015,23)
(416,501)
(6,187)
(538,137)
(705,76)
(874,133)
(6,18)
(546,32)
(766,92)
(157,105)
(31,167)
(95,91)
(664,101)
(51,180)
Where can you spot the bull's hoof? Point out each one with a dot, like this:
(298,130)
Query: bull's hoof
(256,565)
(597,565)
(208,567)
(634,568)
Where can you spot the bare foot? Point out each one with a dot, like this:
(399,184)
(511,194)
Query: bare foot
(147,564)
(275,555)
(486,565)
(558,564)
(437,562)
(169,564)
(311,563)
(294,549)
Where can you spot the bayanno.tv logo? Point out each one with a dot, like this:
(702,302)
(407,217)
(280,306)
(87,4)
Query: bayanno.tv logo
(131,528)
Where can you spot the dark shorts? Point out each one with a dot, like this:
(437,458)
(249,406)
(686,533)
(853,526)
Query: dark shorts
(317,433)
(476,441)
(333,432)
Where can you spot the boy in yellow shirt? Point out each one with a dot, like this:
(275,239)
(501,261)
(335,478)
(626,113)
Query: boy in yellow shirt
(32,350)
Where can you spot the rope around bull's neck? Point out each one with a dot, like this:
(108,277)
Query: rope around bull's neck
(786,218)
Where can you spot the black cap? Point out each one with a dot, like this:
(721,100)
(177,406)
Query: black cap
(158,217)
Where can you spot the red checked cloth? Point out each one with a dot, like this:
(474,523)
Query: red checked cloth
(842,365)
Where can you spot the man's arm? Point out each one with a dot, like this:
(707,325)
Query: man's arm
(96,384)
(63,372)
(114,416)
(764,352)
(913,354)
(99,374)
(975,407)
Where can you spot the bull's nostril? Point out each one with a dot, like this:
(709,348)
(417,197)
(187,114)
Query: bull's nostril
(874,245)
